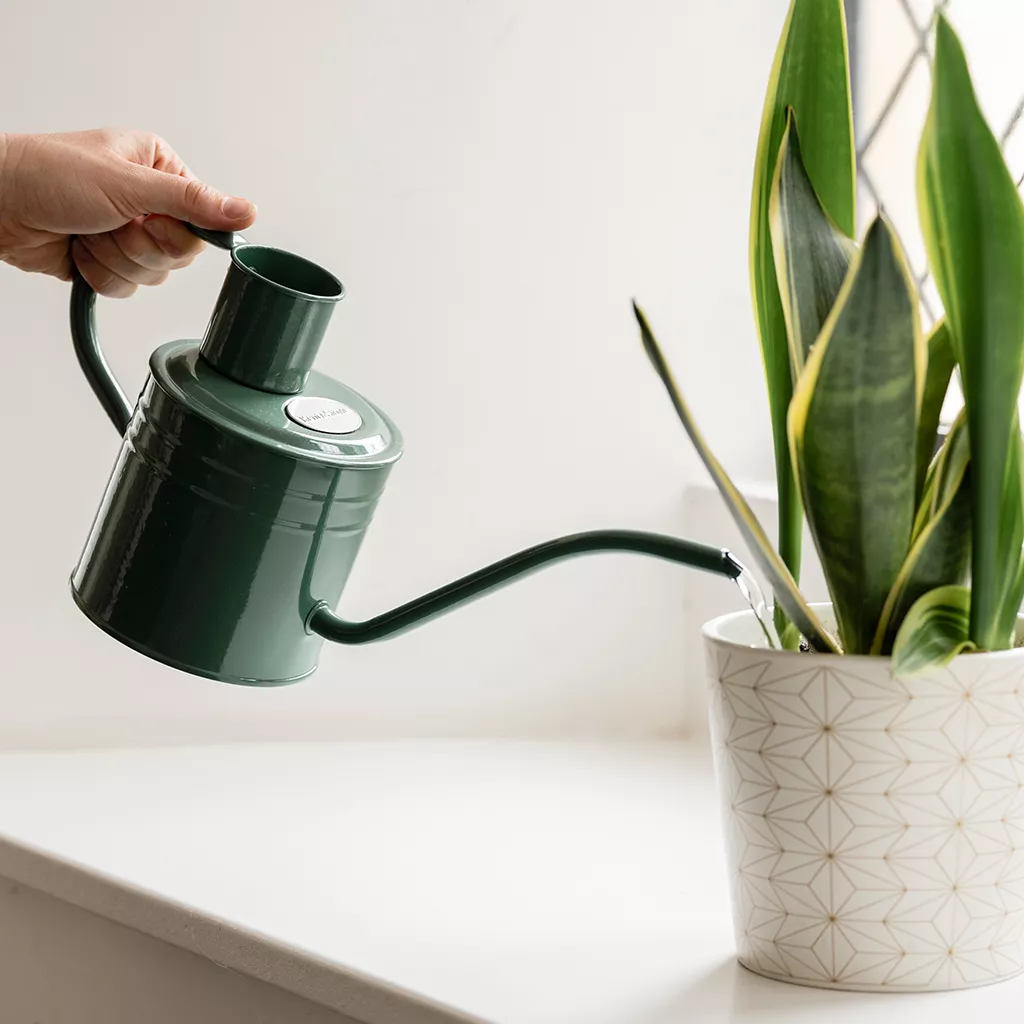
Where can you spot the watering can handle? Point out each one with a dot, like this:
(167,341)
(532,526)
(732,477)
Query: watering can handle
(87,347)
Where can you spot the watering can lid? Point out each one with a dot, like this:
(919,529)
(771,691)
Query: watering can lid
(326,423)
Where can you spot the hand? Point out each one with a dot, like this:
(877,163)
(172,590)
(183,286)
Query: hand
(111,201)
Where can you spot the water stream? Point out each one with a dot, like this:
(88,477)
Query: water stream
(754,596)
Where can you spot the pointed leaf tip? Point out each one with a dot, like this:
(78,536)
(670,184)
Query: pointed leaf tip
(810,73)
(812,254)
(880,222)
(649,344)
(787,594)
(943,26)
(855,405)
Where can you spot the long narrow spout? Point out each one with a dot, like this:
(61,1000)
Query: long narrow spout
(323,621)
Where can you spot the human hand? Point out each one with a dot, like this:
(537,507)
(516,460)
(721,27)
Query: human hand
(110,201)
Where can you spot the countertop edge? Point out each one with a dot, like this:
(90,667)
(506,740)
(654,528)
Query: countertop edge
(367,999)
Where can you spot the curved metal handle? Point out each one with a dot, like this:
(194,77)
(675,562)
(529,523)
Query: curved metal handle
(697,556)
(87,347)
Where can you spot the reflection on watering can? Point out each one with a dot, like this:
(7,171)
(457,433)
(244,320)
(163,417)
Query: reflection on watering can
(245,483)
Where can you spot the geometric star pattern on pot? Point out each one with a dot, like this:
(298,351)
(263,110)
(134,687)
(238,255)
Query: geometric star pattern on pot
(875,829)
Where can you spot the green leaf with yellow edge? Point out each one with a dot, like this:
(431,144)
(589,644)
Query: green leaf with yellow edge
(934,632)
(853,429)
(941,538)
(941,363)
(810,74)
(1011,541)
(973,225)
(812,255)
(787,594)
(1012,604)
(943,474)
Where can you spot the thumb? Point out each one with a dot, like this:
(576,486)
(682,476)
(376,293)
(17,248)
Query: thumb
(191,200)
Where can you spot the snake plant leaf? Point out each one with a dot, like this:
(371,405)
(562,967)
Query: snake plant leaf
(790,639)
(941,363)
(787,594)
(1011,540)
(973,224)
(943,475)
(853,429)
(941,538)
(1011,607)
(934,632)
(1011,518)
(811,74)
(812,255)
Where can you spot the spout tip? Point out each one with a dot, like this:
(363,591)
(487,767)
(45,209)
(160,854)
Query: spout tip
(733,567)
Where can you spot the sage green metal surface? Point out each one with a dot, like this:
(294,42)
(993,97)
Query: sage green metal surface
(493,577)
(221,239)
(225,522)
(229,527)
(259,417)
(270,318)
(210,549)
(90,357)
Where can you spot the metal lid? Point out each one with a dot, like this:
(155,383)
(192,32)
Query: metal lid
(303,427)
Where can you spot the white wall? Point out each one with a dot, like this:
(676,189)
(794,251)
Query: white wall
(493,181)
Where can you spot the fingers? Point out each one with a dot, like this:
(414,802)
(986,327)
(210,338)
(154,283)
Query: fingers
(173,241)
(101,279)
(142,252)
(188,199)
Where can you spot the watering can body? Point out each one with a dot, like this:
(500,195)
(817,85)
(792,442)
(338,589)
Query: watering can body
(245,483)
(211,547)
(242,490)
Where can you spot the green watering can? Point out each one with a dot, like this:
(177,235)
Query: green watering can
(245,483)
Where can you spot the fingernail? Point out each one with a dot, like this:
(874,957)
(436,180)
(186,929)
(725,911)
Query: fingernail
(157,230)
(235,208)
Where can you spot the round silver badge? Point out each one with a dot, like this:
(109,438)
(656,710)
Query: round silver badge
(323,415)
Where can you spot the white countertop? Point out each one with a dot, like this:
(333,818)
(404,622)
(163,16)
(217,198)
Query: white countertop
(424,882)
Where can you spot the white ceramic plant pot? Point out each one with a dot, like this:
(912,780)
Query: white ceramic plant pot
(874,829)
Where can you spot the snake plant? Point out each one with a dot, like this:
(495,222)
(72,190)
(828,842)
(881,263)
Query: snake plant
(921,548)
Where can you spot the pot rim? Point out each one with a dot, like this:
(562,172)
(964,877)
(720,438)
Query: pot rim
(715,631)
